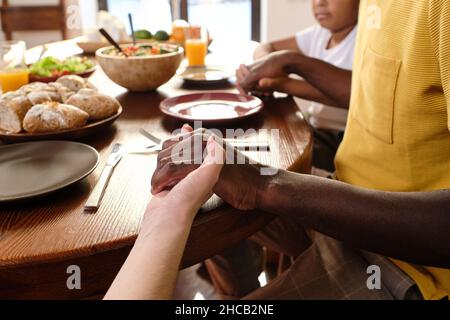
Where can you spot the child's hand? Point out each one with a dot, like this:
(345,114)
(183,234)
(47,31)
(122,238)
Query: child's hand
(244,72)
(272,66)
(241,74)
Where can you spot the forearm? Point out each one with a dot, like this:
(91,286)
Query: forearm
(151,269)
(331,81)
(278,45)
(408,226)
(263,50)
(302,89)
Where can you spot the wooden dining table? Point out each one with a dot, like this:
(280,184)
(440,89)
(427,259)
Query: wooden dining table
(41,238)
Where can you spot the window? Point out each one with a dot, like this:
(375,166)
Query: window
(153,15)
(229,21)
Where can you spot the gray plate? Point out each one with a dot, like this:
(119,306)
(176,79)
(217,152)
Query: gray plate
(33,169)
(206,75)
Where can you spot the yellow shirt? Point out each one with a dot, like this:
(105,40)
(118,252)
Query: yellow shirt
(398,132)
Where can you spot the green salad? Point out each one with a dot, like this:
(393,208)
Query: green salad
(51,67)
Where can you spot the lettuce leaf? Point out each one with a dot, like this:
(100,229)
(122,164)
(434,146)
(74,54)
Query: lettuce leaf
(48,66)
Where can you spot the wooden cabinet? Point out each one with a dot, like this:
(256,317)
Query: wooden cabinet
(63,16)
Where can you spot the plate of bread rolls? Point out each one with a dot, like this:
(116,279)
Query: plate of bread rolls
(67,109)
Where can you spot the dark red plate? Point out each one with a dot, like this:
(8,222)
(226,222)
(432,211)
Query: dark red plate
(211,106)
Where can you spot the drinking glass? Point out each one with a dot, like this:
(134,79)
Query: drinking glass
(196,45)
(13,69)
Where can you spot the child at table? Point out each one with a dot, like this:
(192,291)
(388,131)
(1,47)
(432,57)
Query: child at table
(333,41)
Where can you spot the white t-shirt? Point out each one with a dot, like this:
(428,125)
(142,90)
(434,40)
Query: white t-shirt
(313,42)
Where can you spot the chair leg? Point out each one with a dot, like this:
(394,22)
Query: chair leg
(284,263)
(8,35)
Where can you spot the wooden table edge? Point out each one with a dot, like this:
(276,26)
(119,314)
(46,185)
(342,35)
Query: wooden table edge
(301,165)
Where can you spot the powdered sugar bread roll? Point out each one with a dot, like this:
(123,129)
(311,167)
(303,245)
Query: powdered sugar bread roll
(40,87)
(34,86)
(72,82)
(98,105)
(65,93)
(13,108)
(52,117)
(38,97)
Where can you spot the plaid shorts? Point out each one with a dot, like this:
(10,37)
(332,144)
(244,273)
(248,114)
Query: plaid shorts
(324,268)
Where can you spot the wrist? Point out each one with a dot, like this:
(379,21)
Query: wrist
(294,62)
(174,218)
(262,51)
(163,230)
(267,188)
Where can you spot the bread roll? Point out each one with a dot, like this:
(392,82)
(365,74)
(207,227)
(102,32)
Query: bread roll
(13,108)
(39,97)
(72,82)
(55,85)
(65,93)
(11,95)
(52,117)
(34,86)
(55,96)
(99,106)
(41,87)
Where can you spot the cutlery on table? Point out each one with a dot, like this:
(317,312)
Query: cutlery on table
(93,203)
(133,35)
(239,144)
(150,136)
(112,41)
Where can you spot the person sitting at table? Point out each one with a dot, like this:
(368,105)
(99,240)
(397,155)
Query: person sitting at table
(397,143)
(332,41)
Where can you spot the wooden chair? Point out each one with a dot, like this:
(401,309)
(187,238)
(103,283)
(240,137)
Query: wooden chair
(36,18)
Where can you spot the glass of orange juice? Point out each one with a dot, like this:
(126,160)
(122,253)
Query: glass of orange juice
(179,29)
(196,45)
(13,69)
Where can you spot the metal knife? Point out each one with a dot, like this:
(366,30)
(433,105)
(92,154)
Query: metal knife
(93,203)
(151,137)
(239,144)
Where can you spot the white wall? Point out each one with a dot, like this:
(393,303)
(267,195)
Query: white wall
(282,18)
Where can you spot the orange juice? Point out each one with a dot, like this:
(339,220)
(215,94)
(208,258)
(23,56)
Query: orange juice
(196,52)
(12,80)
(179,28)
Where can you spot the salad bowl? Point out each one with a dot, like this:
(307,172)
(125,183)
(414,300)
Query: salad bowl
(148,66)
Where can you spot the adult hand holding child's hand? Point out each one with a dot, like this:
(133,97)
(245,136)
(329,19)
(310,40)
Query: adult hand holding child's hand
(269,67)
